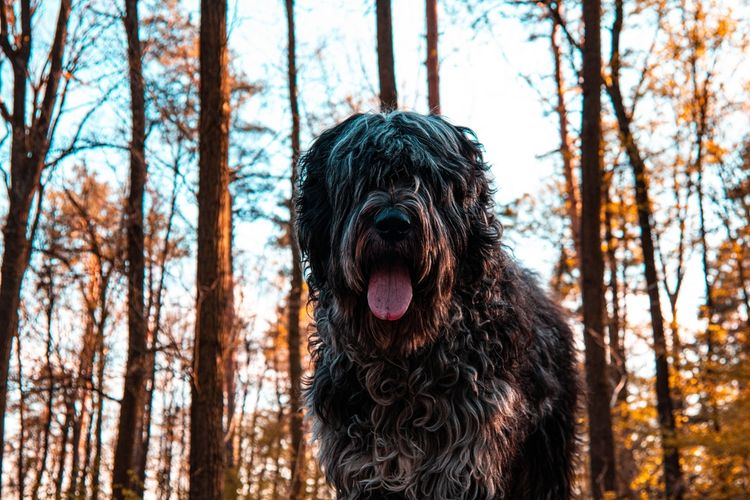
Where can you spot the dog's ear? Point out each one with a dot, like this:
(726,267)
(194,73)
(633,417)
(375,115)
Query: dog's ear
(313,204)
(484,229)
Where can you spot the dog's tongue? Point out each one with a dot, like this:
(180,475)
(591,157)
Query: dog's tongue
(389,291)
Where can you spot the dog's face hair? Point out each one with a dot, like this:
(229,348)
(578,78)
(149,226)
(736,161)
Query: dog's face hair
(431,175)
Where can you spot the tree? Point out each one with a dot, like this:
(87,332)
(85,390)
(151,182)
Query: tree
(295,292)
(601,442)
(126,474)
(433,65)
(386,71)
(572,203)
(80,241)
(214,258)
(29,147)
(664,404)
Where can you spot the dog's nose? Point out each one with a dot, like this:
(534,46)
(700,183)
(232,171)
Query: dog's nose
(392,224)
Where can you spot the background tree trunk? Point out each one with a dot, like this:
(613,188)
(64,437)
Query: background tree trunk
(664,404)
(433,63)
(296,423)
(386,71)
(214,211)
(231,480)
(572,204)
(126,475)
(29,147)
(601,441)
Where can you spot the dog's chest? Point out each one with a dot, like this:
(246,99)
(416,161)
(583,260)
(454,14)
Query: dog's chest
(419,435)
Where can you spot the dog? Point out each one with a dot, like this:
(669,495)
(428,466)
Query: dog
(441,369)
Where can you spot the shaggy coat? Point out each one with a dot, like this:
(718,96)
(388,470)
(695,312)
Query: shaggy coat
(472,393)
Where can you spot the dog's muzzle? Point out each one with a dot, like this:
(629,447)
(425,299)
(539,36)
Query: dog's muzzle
(392,224)
(389,289)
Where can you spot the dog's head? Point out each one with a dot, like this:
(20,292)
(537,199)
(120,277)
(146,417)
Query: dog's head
(394,210)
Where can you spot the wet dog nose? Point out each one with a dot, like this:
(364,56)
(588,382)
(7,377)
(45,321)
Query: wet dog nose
(392,224)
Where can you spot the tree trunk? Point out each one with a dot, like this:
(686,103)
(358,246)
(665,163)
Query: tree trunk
(572,205)
(97,461)
(700,97)
(21,465)
(156,299)
(296,422)
(29,147)
(252,441)
(214,207)
(276,448)
(664,405)
(126,476)
(601,445)
(49,310)
(386,72)
(63,448)
(616,342)
(626,468)
(82,389)
(167,438)
(82,485)
(231,478)
(433,63)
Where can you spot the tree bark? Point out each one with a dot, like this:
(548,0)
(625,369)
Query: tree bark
(126,477)
(664,405)
(626,468)
(433,63)
(601,442)
(21,465)
(616,343)
(29,147)
(296,422)
(572,204)
(101,362)
(50,292)
(386,71)
(156,300)
(231,479)
(214,207)
(63,447)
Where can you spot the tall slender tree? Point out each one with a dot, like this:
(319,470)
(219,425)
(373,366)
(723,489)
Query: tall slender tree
(214,258)
(664,403)
(386,71)
(30,144)
(433,64)
(572,196)
(601,441)
(126,475)
(295,292)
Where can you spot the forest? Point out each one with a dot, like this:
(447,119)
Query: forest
(149,151)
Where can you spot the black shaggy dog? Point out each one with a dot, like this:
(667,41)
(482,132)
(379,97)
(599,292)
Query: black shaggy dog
(441,369)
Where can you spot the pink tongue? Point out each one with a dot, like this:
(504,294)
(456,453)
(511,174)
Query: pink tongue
(389,292)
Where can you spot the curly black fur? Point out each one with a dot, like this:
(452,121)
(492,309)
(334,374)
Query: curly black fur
(473,392)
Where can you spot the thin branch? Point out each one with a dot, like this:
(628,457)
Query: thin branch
(554,10)
(4,112)
(4,40)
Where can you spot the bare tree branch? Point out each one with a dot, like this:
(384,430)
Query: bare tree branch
(5,45)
